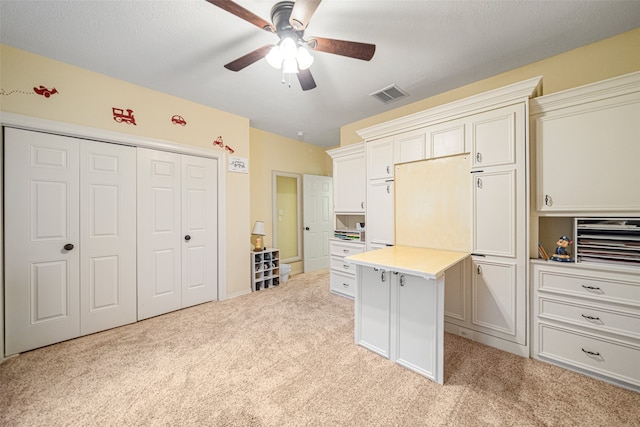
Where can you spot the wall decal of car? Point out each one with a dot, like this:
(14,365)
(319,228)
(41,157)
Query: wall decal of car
(178,120)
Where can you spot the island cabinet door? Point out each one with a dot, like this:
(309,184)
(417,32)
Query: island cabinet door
(417,338)
(372,309)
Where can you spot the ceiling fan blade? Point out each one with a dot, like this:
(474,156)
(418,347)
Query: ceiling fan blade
(306,79)
(302,12)
(355,50)
(249,58)
(243,13)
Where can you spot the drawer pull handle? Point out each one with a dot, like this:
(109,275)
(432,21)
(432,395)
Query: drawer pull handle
(346,251)
(591,288)
(591,353)
(346,285)
(590,317)
(345,266)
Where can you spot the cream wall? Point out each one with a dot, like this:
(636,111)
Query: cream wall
(608,58)
(86,98)
(270,152)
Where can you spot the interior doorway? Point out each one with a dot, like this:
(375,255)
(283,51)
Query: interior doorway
(287,214)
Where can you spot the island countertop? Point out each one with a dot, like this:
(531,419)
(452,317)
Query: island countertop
(423,262)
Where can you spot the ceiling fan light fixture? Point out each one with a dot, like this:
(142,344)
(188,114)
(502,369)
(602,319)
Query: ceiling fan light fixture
(290,66)
(274,57)
(288,48)
(304,58)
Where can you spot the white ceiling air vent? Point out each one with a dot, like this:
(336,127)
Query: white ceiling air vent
(389,94)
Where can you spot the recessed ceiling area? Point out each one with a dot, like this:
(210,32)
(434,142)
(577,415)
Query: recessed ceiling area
(424,47)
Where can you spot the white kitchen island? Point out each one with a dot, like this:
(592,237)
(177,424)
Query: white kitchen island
(399,311)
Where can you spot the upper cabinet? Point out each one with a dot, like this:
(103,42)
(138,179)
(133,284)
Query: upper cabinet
(380,159)
(349,175)
(587,147)
(493,136)
(410,146)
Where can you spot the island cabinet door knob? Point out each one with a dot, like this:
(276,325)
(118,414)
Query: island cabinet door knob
(187,237)
(68,247)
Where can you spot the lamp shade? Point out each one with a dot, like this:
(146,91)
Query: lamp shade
(258,229)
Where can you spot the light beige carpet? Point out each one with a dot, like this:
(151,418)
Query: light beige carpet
(286,357)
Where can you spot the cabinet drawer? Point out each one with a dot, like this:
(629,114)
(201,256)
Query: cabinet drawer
(343,283)
(591,353)
(599,319)
(344,249)
(597,288)
(339,264)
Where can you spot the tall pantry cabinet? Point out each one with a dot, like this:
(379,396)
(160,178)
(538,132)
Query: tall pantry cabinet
(101,234)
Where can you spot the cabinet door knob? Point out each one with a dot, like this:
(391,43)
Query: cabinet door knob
(187,237)
(479,270)
(68,247)
(479,183)
(479,157)
(388,169)
(547,200)
(306,228)
(388,191)
(382,278)
(402,280)
(362,205)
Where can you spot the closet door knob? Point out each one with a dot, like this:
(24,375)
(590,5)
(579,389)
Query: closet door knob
(187,237)
(68,247)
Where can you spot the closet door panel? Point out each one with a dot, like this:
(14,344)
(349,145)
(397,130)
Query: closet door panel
(200,225)
(108,230)
(42,286)
(159,233)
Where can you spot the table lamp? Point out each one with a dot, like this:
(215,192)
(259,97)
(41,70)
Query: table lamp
(258,231)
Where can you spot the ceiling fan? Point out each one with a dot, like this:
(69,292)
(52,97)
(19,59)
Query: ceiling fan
(289,20)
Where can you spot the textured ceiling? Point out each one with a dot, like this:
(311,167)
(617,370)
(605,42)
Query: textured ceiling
(424,47)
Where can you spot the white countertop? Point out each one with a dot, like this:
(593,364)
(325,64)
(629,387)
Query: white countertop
(423,262)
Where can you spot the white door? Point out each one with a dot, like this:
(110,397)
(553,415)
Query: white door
(108,236)
(42,287)
(159,233)
(200,230)
(317,219)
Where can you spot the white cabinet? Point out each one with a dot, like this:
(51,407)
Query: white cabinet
(446,139)
(399,310)
(410,146)
(587,148)
(587,318)
(381,203)
(177,231)
(342,275)
(380,216)
(373,306)
(380,159)
(70,218)
(495,207)
(498,300)
(349,178)
(265,269)
(417,327)
(495,135)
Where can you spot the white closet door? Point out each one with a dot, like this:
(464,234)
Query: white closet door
(42,288)
(159,233)
(108,236)
(200,230)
